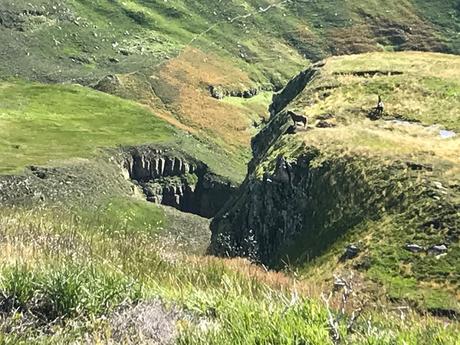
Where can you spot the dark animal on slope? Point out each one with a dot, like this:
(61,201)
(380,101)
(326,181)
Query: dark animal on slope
(377,112)
(298,119)
(380,107)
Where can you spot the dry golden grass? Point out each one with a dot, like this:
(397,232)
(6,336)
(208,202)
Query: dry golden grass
(189,75)
(200,67)
(143,93)
(181,96)
(291,284)
(419,63)
(426,92)
(390,140)
(275,279)
(351,40)
(13,253)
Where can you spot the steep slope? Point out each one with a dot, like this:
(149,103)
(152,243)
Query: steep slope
(83,152)
(52,124)
(168,54)
(60,40)
(390,187)
(110,107)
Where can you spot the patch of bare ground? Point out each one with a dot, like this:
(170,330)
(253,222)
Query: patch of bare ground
(146,323)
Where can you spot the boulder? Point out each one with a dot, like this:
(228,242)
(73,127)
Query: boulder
(250,93)
(216,92)
(41,173)
(339,284)
(414,248)
(109,84)
(351,252)
(325,124)
(437,249)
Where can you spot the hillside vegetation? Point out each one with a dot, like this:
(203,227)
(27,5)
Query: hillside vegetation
(380,185)
(56,124)
(78,37)
(115,268)
(109,108)
(64,280)
(166,54)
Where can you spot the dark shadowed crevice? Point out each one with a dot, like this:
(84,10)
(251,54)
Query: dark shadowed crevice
(173,179)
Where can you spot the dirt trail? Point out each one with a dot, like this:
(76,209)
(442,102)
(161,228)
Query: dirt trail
(232,20)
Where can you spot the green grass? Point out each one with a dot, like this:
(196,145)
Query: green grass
(54,124)
(40,123)
(79,268)
(354,182)
(85,276)
(272,42)
(73,41)
(428,92)
(68,290)
(255,107)
(128,214)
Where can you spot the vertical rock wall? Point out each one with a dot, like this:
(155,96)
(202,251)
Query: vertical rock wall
(172,179)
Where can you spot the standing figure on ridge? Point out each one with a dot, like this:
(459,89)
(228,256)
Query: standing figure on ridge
(299,119)
(380,107)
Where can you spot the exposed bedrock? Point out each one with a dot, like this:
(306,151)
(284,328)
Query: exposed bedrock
(173,179)
(279,122)
(293,88)
(300,208)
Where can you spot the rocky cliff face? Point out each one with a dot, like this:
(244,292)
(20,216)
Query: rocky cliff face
(264,214)
(279,122)
(300,207)
(172,179)
(298,197)
(164,176)
(293,88)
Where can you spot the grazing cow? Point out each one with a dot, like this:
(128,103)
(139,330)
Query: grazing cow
(299,119)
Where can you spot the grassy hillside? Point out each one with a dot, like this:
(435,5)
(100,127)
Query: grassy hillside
(78,38)
(91,261)
(55,124)
(123,270)
(419,87)
(427,93)
(379,184)
(167,54)
(50,122)
(63,280)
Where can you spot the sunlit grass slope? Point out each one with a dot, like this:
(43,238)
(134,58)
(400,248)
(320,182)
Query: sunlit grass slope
(63,280)
(267,39)
(416,86)
(168,53)
(421,93)
(41,122)
(51,124)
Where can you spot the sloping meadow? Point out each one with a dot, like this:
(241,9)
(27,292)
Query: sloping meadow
(62,280)
(380,185)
